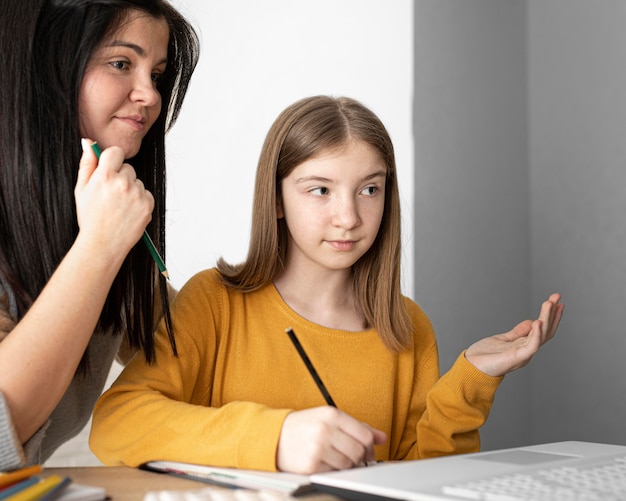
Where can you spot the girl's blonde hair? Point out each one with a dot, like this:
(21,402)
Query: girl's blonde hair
(302,131)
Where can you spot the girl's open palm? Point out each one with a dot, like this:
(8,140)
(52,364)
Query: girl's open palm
(503,353)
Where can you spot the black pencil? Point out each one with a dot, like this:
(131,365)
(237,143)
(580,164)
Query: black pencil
(309,366)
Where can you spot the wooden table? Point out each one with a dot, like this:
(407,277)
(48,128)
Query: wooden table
(131,484)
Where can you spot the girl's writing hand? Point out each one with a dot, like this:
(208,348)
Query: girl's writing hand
(112,205)
(503,353)
(324,439)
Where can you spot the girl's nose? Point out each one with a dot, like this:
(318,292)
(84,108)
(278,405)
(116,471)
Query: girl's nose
(346,214)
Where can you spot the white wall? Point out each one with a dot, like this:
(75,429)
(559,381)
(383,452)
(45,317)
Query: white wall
(258,57)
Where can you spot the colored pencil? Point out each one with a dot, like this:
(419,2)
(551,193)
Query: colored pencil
(37,490)
(7,492)
(14,476)
(146,238)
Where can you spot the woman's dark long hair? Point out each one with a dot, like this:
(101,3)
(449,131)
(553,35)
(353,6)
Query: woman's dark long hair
(45,47)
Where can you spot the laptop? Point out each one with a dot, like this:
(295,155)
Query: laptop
(569,469)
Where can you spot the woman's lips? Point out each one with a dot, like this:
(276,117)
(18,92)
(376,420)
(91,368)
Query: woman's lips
(136,122)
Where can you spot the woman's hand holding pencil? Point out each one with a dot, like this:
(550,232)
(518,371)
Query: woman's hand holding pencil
(113,207)
(146,238)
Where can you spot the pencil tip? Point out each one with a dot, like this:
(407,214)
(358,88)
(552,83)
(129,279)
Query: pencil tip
(165,274)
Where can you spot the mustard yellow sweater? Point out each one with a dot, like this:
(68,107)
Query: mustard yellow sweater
(223,400)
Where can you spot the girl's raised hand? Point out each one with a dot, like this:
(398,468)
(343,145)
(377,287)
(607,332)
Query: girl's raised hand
(503,353)
(324,439)
(113,207)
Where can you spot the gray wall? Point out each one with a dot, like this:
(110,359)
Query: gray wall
(577,70)
(520,190)
(471,184)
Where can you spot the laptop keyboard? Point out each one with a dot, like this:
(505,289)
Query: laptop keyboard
(599,481)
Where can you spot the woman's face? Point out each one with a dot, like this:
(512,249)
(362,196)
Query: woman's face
(118,99)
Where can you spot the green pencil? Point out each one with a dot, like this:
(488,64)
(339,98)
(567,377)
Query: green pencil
(146,238)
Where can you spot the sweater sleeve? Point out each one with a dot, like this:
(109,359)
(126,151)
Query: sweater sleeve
(457,405)
(11,452)
(445,412)
(163,411)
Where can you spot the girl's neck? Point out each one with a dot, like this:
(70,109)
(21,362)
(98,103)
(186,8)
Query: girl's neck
(323,298)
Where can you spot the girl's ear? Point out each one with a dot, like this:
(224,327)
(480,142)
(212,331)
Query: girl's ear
(279,208)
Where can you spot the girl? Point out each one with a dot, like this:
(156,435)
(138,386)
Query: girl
(324,260)
(73,282)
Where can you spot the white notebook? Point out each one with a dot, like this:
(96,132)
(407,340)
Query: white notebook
(517,474)
(234,478)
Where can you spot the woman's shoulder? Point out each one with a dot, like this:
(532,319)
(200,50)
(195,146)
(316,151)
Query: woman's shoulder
(7,298)
(8,310)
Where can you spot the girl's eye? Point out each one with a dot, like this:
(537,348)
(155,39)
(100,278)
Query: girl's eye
(156,77)
(119,65)
(370,190)
(319,191)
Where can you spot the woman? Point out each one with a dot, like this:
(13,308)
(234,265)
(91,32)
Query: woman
(75,280)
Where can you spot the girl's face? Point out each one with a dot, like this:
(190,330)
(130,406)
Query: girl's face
(333,205)
(118,99)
